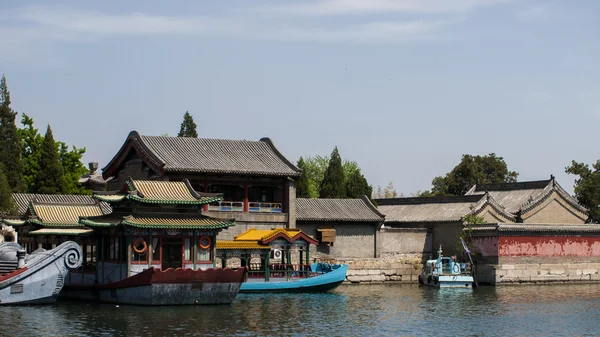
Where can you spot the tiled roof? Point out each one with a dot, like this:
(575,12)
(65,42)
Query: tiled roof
(254,234)
(62,231)
(511,195)
(159,192)
(241,245)
(63,214)
(524,196)
(22,200)
(204,155)
(177,223)
(344,210)
(539,228)
(427,209)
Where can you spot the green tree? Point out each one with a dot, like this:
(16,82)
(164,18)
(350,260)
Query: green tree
(188,127)
(73,168)
(10,149)
(302,185)
(50,178)
(7,204)
(357,185)
(31,150)
(387,192)
(473,170)
(587,187)
(314,168)
(333,184)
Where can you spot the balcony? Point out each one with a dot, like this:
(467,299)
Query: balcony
(227,206)
(253,207)
(264,207)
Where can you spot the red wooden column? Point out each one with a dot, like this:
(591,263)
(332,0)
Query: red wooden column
(246,209)
(206,191)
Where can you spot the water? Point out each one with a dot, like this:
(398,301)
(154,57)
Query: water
(385,310)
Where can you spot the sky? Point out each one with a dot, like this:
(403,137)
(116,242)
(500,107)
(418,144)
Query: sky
(402,87)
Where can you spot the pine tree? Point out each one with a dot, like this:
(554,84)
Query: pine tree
(357,185)
(188,127)
(7,204)
(10,147)
(50,178)
(302,185)
(333,185)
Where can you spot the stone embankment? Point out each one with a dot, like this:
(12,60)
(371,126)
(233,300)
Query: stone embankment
(541,273)
(383,270)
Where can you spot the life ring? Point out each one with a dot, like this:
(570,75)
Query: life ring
(144,246)
(456,268)
(204,242)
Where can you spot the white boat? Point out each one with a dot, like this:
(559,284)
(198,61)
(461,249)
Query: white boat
(444,272)
(38,277)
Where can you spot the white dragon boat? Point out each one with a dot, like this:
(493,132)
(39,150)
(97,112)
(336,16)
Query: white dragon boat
(38,277)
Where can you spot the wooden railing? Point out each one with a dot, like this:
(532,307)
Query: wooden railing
(253,207)
(279,270)
(227,206)
(264,207)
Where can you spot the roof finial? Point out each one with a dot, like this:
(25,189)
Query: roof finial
(552,177)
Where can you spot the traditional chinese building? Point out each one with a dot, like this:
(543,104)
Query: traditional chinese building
(254,178)
(344,228)
(141,225)
(532,231)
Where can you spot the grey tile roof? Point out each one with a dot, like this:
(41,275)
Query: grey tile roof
(22,200)
(512,195)
(204,155)
(343,210)
(427,209)
(538,228)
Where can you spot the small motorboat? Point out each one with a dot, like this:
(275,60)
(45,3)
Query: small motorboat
(444,272)
(38,277)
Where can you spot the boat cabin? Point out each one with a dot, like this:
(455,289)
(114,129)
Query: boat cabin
(152,224)
(269,254)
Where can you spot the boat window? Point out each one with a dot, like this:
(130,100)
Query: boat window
(186,249)
(155,249)
(204,255)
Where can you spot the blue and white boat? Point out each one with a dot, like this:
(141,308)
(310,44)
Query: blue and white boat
(444,272)
(271,267)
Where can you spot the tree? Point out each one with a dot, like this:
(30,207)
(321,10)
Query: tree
(473,170)
(587,187)
(302,185)
(10,149)
(333,185)
(73,168)
(7,204)
(421,193)
(50,178)
(389,191)
(357,185)
(188,127)
(31,150)
(314,168)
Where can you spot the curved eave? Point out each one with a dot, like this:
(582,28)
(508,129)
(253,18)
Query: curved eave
(133,141)
(108,199)
(59,231)
(560,192)
(499,209)
(340,219)
(52,224)
(232,172)
(200,202)
(91,223)
(221,225)
(240,245)
(14,223)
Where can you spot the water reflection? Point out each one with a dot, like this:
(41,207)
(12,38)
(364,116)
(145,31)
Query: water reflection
(387,310)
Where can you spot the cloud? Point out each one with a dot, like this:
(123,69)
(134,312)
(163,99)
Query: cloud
(347,7)
(66,24)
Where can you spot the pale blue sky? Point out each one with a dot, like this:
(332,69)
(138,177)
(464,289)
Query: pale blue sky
(402,87)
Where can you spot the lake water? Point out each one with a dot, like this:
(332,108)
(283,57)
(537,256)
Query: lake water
(378,310)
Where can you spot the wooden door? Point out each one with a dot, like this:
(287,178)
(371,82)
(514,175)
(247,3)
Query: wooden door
(171,253)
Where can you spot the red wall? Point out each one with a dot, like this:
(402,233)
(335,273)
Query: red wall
(548,246)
